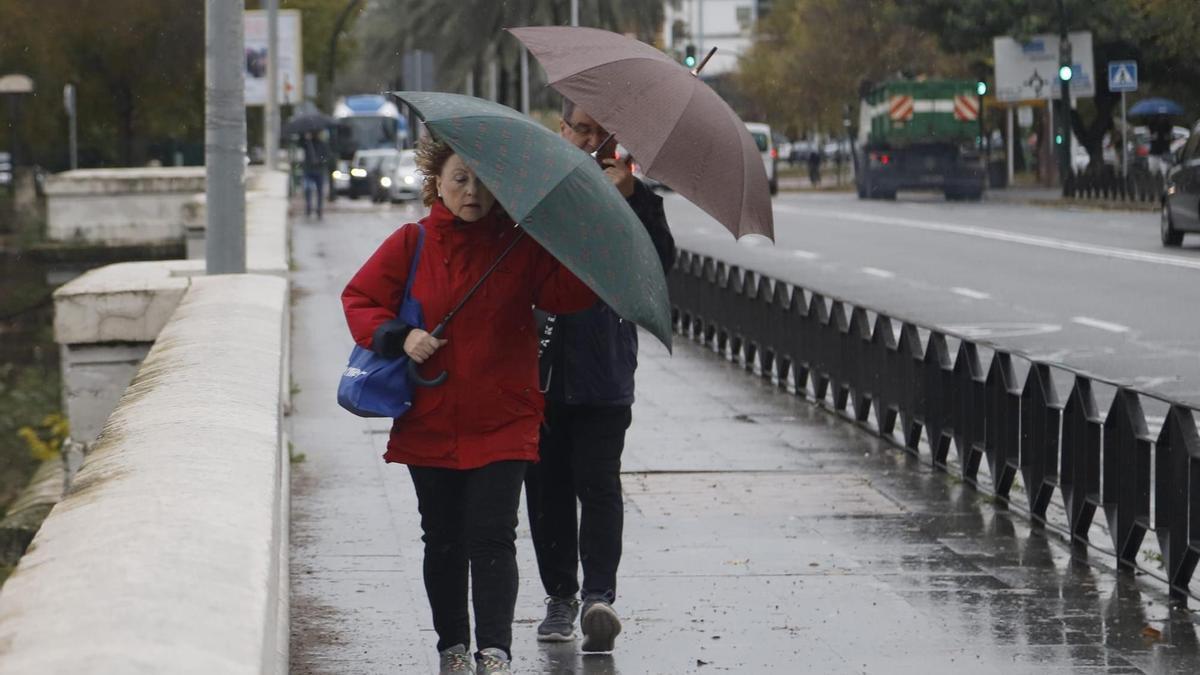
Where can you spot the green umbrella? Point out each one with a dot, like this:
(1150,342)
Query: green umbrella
(560,196)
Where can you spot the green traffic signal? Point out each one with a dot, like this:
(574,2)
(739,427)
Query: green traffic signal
(1064,73)
(689,56)
(981,88)
(1058,139)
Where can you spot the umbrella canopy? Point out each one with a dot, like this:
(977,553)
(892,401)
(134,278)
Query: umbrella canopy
(1156,106)
(560,197)
(679,130)
(303,124)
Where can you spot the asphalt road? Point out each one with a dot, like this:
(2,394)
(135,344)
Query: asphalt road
(1093,290)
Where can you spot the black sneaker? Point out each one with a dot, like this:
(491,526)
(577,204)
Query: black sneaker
(559,624)
(600,626)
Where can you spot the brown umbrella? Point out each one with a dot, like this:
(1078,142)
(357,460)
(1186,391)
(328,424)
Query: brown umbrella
(681,132)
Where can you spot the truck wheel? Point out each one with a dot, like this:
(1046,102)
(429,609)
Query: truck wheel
(1167,232)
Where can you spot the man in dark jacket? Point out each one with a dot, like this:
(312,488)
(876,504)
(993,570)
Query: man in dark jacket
(316,165)
(587,368)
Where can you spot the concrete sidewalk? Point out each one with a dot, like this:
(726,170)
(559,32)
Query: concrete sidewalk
(762,535)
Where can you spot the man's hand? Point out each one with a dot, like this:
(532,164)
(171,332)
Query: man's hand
(420,345)
(618,172)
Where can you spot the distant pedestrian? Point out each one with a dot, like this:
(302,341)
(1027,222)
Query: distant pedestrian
(316,165)
(814,166)
(467,442)
(589,365)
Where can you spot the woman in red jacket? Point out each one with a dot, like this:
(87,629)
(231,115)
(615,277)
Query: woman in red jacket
(467,442)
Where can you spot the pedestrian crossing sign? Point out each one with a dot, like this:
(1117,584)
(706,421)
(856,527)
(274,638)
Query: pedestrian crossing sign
(1122,76)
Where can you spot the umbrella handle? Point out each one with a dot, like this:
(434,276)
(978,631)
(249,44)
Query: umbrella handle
(415,376)
(696,71)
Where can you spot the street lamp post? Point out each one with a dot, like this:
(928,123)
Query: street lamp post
(1065,68)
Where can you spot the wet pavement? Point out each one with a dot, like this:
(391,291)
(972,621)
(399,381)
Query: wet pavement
(763,535)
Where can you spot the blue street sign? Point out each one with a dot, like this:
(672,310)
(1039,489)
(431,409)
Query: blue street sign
(1122,76)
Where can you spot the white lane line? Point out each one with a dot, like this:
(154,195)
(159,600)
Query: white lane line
(876,272)
(970,293)
(999,235)
(1102,325)
(805,255)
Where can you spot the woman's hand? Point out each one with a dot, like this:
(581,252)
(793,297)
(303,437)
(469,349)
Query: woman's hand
(618,172)
(420,345)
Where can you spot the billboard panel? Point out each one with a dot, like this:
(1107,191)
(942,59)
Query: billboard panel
(290,80)
(1029,70)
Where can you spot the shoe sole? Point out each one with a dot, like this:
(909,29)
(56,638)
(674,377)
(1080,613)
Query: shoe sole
(600,627)
(556,637)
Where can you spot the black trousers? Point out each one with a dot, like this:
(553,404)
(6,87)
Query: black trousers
(469,519)
(580,460)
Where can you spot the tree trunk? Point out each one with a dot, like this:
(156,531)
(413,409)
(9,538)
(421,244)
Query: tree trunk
(1091,136)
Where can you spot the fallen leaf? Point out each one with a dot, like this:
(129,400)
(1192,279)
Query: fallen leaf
(702,663)
(1151,633)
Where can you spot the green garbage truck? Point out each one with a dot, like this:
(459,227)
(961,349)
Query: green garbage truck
(920,135)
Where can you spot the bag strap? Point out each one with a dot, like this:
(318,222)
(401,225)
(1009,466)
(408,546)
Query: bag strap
(412,268)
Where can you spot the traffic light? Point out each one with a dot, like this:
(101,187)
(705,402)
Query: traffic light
(689,56)
(981,88)
(1064,73)
(1058,139)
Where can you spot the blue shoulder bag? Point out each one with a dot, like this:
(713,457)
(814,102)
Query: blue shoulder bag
(372,386)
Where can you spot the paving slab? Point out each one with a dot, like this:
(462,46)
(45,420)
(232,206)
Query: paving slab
(763,535)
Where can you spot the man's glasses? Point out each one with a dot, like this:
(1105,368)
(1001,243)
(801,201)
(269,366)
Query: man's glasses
(585,130)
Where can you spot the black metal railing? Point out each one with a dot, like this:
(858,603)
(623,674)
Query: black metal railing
(1109,185)
(830,349)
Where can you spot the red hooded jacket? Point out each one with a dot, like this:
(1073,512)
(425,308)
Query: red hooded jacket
(489,409)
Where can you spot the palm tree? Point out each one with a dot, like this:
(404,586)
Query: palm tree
(465,40)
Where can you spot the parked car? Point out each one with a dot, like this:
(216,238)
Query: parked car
(761,133)
(783,147)
(800,151)
(364,163)
(1181,194)
(398,178)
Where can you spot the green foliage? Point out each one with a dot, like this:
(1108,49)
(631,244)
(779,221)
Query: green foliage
(464,41)
(810,57)
(138,68)
(28,394)
(1160,34)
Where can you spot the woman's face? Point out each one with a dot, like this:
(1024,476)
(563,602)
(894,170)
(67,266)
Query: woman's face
(461,191)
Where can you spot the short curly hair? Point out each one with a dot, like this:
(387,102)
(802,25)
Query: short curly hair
(431,158)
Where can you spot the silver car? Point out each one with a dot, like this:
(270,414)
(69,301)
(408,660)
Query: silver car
(398,178)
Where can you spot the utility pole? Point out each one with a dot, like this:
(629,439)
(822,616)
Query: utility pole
(70,104)
(271,110)
(1064,58)
(574,12)
(225,136)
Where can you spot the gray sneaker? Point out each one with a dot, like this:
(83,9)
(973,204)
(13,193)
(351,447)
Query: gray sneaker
(492,661)
(455,661)
(559,624)
(600,626)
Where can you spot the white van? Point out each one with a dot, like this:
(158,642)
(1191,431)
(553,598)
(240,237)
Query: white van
(761,133)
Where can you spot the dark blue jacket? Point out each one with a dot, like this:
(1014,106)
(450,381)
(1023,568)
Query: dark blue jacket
(593,353)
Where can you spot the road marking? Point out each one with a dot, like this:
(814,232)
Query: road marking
(1102,325)
(876,272)
(999,235)
(805,255)
(970,293)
